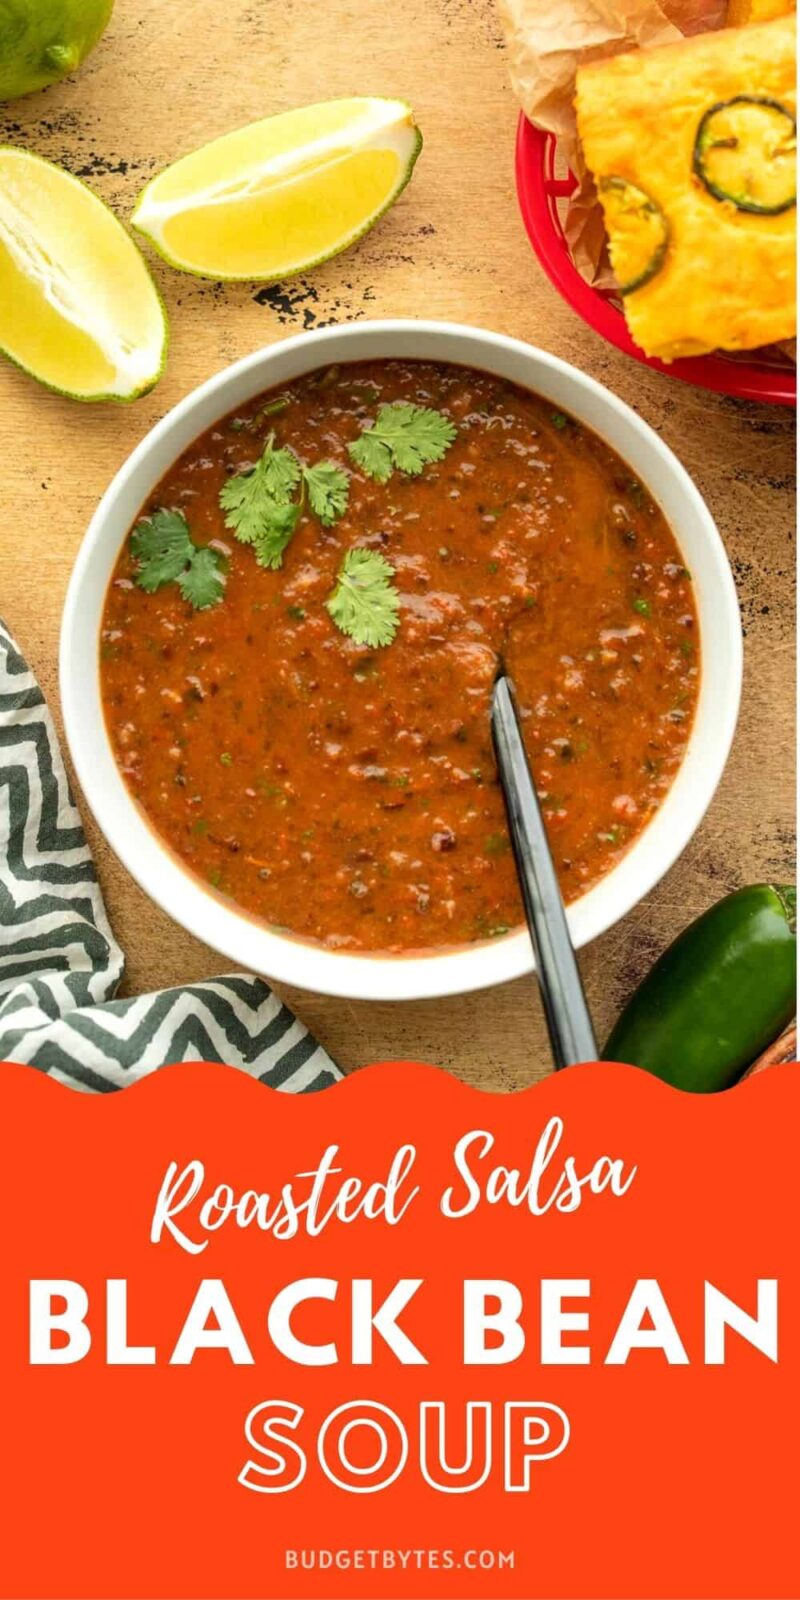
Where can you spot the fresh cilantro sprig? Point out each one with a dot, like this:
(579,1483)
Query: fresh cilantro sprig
(258,504)
(164,552)
(260,507)
(404,436)
(365,604)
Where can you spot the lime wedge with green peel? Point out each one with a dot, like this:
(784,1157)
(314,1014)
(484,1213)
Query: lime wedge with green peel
(78,308)
(42,40)
(282,195)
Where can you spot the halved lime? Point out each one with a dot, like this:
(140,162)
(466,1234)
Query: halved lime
(282,195)
(78,307)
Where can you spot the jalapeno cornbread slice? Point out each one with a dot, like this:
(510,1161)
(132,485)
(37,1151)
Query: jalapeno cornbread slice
(693,149)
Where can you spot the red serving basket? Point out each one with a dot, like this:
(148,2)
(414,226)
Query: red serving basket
(539,190)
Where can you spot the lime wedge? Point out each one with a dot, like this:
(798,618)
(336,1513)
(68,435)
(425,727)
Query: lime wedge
(281,195)
(78,308)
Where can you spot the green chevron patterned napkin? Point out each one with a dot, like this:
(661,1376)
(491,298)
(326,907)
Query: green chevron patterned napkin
(60,964)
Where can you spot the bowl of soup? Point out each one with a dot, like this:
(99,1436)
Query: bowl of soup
(284,623)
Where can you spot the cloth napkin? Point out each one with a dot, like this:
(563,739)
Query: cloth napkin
(60,965)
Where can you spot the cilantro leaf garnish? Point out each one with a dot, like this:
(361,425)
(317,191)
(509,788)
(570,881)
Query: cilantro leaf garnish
(161,545)
(365,604)
(372,455)
(277,526)
(328,490)
(203,581)
(249,498)
(404,436)
(280,473)
(164,552)
(260,507)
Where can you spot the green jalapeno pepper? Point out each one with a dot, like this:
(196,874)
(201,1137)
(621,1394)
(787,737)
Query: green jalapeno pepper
(718,996)
(745,152)
(638,230)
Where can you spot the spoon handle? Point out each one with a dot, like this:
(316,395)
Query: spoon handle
(567,1014)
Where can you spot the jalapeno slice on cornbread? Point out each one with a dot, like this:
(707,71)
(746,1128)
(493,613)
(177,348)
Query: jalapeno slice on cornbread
(746,152)
(638,230)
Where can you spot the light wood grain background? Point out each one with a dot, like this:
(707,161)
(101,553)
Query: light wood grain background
(171,74)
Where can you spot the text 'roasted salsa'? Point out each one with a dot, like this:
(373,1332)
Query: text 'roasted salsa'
(301,636)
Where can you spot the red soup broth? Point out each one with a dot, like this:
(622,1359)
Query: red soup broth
(349,795)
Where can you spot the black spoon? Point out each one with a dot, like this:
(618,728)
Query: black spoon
(567,1014)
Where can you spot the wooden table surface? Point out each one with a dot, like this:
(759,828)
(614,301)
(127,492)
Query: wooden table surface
(166,78)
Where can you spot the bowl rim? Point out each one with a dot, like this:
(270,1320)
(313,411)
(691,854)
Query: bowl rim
(195,906)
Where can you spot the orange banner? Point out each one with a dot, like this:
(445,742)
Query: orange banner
(400,1338)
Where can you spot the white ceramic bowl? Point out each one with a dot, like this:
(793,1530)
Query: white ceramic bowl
(236,935)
